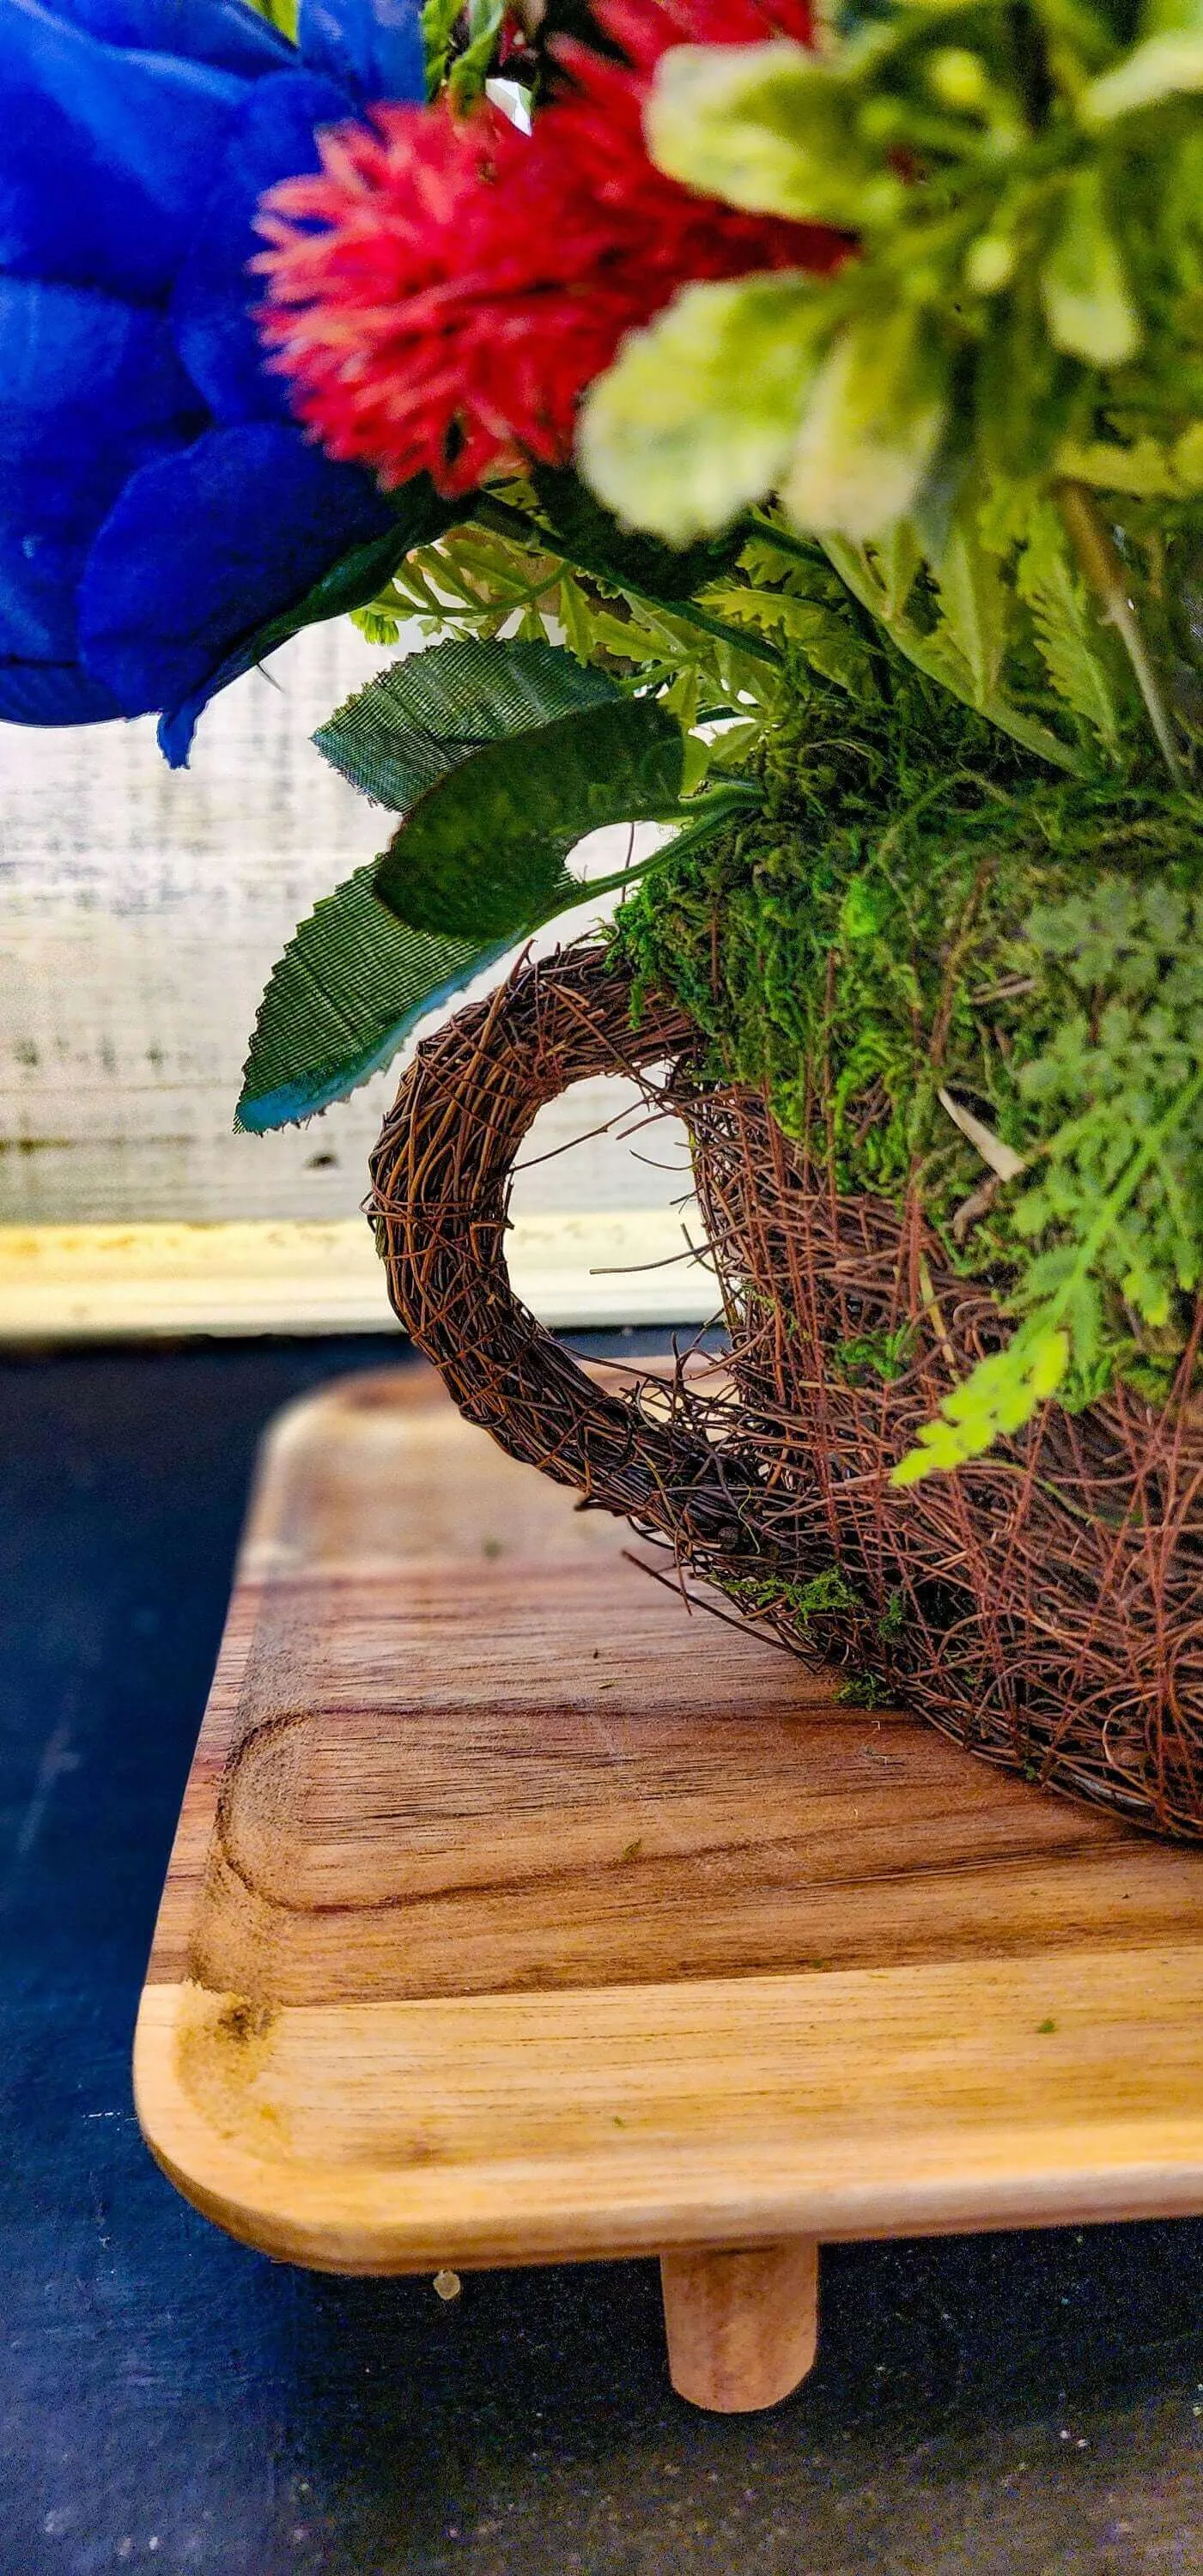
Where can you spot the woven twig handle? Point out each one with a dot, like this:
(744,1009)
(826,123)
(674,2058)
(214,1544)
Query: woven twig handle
(441,1174)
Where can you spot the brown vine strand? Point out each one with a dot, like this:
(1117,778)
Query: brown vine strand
(1044,1606)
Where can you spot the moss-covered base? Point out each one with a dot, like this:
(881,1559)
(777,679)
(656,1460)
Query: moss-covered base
(918,910)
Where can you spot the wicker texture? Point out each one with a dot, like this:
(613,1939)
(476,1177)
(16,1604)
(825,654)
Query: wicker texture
(1044,1606)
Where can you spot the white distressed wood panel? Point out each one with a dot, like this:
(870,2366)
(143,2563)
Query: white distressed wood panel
(140,913)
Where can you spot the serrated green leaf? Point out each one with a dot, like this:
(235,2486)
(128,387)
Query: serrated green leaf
(700,412)
(1083,281)
(415,722)
(975,609)
(482,851)
(770,128)
(827,640)
(350,986)
(1064,626)
(998,1397)
(899,560)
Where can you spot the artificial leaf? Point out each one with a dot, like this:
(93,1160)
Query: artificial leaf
(768,127)
(827,640)
(872,423)
(700,412)
(1083,282)
(1145,467)
(1064,625)
(999,1396)
(482,852)
(594,541)
(430,711)
(350,986)
(975,609)
(438,30)
(899,558)
(1165,66)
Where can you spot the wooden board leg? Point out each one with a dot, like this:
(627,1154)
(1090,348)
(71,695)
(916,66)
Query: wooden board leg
(742,2328)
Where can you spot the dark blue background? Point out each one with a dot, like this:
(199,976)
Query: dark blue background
(1017,2406)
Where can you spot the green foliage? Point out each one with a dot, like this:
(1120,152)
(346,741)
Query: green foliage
(1065,627)
(702,412)
(508,578)
(281,14)
(594,541)
(1025,184)
(460,39)
(516,724)
(999,1396)
(918,909)
(350,986)
(407,728)
(883,1355)
(480,854)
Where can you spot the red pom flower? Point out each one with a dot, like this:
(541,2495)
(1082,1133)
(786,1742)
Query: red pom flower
(442,293)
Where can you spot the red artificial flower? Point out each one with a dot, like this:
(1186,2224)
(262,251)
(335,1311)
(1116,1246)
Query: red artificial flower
(444,290)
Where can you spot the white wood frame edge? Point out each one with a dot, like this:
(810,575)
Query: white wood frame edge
(129,1282)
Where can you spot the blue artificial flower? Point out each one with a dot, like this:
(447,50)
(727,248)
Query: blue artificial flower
(158,504)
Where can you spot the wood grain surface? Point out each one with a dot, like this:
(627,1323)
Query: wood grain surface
(519,1911)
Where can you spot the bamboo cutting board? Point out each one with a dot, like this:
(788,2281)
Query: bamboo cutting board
(518,1914)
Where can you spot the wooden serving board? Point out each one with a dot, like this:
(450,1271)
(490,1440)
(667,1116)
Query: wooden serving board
(516,1914)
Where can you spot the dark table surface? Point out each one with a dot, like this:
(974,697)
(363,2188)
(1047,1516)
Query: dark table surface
(1022,2405)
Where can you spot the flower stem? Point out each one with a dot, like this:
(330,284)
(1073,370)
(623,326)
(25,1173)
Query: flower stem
(1102,567)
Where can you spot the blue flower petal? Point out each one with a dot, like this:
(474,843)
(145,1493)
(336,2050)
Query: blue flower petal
(231,37)
(203,546)
(40,571)
(53,693)
(89,390)
(372,47)
(272,138)
(105,157)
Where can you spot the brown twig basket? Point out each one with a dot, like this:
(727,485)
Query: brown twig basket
(1044,1606)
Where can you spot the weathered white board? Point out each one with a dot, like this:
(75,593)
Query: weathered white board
(140,914)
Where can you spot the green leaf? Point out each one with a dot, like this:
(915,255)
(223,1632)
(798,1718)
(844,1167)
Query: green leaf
(438,30)
(770,128)
(350,986)
(594,541)
(700,412)
(975,611)
(899,562)
(1165,66)
(1145,467)
(280,14)
(482,852)
(999,1396)
(410,725)
(872,424)
(1083,281)
(827,641)
(1064,626)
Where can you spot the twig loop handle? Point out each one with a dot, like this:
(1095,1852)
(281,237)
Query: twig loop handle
(441,1178)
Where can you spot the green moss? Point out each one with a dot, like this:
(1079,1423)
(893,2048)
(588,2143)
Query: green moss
(920,906)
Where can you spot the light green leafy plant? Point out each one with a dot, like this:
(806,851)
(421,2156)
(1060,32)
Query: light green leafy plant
(1026,190)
